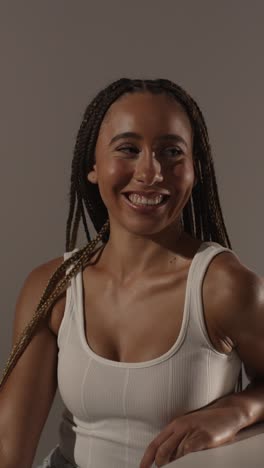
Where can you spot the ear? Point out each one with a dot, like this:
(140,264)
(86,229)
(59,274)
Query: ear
(92,175)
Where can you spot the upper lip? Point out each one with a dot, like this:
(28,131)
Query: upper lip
(146,192)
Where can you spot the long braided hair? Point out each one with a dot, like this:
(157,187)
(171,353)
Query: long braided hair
(202,215)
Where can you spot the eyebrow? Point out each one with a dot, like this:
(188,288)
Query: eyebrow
(168,136)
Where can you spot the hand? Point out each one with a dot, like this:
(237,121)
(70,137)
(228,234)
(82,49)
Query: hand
(198,430)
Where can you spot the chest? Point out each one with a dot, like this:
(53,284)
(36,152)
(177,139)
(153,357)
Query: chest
(134,323)
(141,320)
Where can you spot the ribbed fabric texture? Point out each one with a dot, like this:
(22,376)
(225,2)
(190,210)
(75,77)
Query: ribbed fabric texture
(114,410)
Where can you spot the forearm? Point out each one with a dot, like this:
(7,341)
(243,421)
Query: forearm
(10,458)
(5,462)
(249,402)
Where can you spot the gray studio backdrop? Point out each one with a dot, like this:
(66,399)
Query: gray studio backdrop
(55,55)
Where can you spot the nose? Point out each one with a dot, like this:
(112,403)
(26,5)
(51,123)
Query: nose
(148,169)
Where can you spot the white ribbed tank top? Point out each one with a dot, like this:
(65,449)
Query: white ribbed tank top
(113,410)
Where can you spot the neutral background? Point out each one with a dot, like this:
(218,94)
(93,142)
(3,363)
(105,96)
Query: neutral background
(56,55)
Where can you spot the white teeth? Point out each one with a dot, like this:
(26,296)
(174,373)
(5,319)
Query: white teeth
(140,200)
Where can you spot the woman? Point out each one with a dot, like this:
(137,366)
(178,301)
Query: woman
(146,332)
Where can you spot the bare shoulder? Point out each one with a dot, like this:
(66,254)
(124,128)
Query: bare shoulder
(45,271)
(30,294)
(234,277)
(233,289)
(31,291)
(41,275)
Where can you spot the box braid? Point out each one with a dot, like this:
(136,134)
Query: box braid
(202,215)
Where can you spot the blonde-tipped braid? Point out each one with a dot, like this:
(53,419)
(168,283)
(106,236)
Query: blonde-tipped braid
(48,298)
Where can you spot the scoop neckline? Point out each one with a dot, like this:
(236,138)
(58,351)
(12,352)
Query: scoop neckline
(176,345)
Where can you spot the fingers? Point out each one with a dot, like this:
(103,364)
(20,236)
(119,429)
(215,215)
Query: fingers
(150,453)
(166,452)
(161,449)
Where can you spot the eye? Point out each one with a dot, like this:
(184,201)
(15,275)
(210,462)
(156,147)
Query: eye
(128,149)
(173,151)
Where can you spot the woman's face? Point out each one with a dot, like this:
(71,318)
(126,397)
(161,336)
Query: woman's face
(156,156)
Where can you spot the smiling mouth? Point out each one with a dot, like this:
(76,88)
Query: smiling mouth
(145,207)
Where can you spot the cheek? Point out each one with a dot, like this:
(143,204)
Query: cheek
(118,169)
(114,176)
(183,175)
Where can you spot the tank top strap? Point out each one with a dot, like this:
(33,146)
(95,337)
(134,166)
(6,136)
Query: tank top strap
(67,255)
(197,330)
(65,323)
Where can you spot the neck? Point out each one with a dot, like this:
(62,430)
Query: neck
(127,255)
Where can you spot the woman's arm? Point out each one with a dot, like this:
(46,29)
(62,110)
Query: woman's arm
(238,310)
(250,403)
(27,394)
(241,313)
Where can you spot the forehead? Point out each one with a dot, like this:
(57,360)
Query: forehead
(146,113)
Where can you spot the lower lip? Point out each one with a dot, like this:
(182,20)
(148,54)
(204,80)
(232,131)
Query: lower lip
(145,208)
